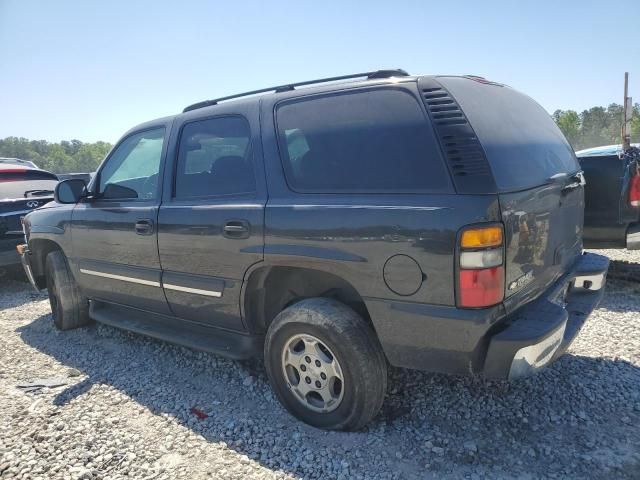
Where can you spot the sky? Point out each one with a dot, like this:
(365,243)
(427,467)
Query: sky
(90,70)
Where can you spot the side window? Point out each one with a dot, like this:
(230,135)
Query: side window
(366,141)
(132,170)
(214,158)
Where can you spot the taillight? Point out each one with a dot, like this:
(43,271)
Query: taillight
(481,267)
(634,191)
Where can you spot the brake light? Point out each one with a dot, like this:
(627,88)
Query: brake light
(11,177)
(480,267)
(634,191)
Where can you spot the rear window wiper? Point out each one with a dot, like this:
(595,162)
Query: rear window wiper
(569,180)
(37,193)
(564,177)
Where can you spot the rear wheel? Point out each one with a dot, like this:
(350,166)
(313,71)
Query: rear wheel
(70,309)
(325,364)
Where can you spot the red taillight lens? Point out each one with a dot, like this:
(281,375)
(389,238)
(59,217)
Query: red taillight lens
(481,288)
(634,191)
(481,266)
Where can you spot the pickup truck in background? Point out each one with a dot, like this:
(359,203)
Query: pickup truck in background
(23,188)
(612,197)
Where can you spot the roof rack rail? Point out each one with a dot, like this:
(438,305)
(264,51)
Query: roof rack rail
(291,86)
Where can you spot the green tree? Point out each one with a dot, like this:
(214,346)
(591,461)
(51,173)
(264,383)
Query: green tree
(569,123)
(596,126)
(62,157)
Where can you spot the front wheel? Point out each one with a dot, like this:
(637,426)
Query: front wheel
(326,365)
(70,309)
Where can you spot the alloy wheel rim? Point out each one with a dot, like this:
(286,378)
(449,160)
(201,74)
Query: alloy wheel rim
(313,373)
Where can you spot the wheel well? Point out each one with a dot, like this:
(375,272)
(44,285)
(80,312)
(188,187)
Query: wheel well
(272,289)
(40,248)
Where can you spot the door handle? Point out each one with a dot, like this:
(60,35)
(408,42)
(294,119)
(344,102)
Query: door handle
(237,229)
(144,227)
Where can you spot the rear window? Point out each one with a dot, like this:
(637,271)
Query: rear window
(522,142)
(364,141)
(21,183)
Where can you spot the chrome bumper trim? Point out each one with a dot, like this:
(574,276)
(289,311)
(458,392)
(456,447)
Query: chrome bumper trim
(589,282)
(529,359)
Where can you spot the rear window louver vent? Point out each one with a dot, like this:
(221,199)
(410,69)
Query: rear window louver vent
(461,148)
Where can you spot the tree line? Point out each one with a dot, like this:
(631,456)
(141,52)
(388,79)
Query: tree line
(71,156)
(591,128)
(597,126)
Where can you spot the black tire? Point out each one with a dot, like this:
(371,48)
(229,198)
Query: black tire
(351,341)
(70,309)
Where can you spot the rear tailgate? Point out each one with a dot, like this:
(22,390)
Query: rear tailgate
(538,181)
(12,210)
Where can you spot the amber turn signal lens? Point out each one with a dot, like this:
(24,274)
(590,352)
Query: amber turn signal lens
(481,237)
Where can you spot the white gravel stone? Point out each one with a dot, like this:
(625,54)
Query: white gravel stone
(126,412)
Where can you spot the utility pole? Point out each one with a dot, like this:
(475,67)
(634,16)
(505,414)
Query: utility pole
(626,116)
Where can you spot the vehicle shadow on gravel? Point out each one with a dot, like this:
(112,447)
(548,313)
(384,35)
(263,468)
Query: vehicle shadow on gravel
(16,292)
(575,416)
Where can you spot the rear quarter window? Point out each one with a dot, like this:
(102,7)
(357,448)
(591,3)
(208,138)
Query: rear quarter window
(372,141)
(522,143)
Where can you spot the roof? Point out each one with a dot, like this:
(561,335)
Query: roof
(378,77)
(374,75)
(602,151)
(17,161)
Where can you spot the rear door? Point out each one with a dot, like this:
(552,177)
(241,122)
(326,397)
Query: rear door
(538,180)
(211,220)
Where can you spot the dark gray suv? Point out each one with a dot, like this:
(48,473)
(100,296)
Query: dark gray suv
(427,222)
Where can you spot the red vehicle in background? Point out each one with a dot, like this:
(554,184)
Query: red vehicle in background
(23,188)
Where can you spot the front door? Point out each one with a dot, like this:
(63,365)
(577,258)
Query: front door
(210,225)
(114,233)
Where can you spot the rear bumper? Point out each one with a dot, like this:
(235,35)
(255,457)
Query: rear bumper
(633,237)
(542,330)
(487,341)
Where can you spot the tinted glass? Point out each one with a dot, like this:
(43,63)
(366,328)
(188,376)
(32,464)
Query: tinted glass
(214,158)
(134,165)
(373,141)
(523,144)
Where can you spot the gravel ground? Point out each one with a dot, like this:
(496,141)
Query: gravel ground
(126,411)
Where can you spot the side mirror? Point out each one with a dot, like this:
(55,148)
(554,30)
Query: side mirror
(70,191)
(114,191)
